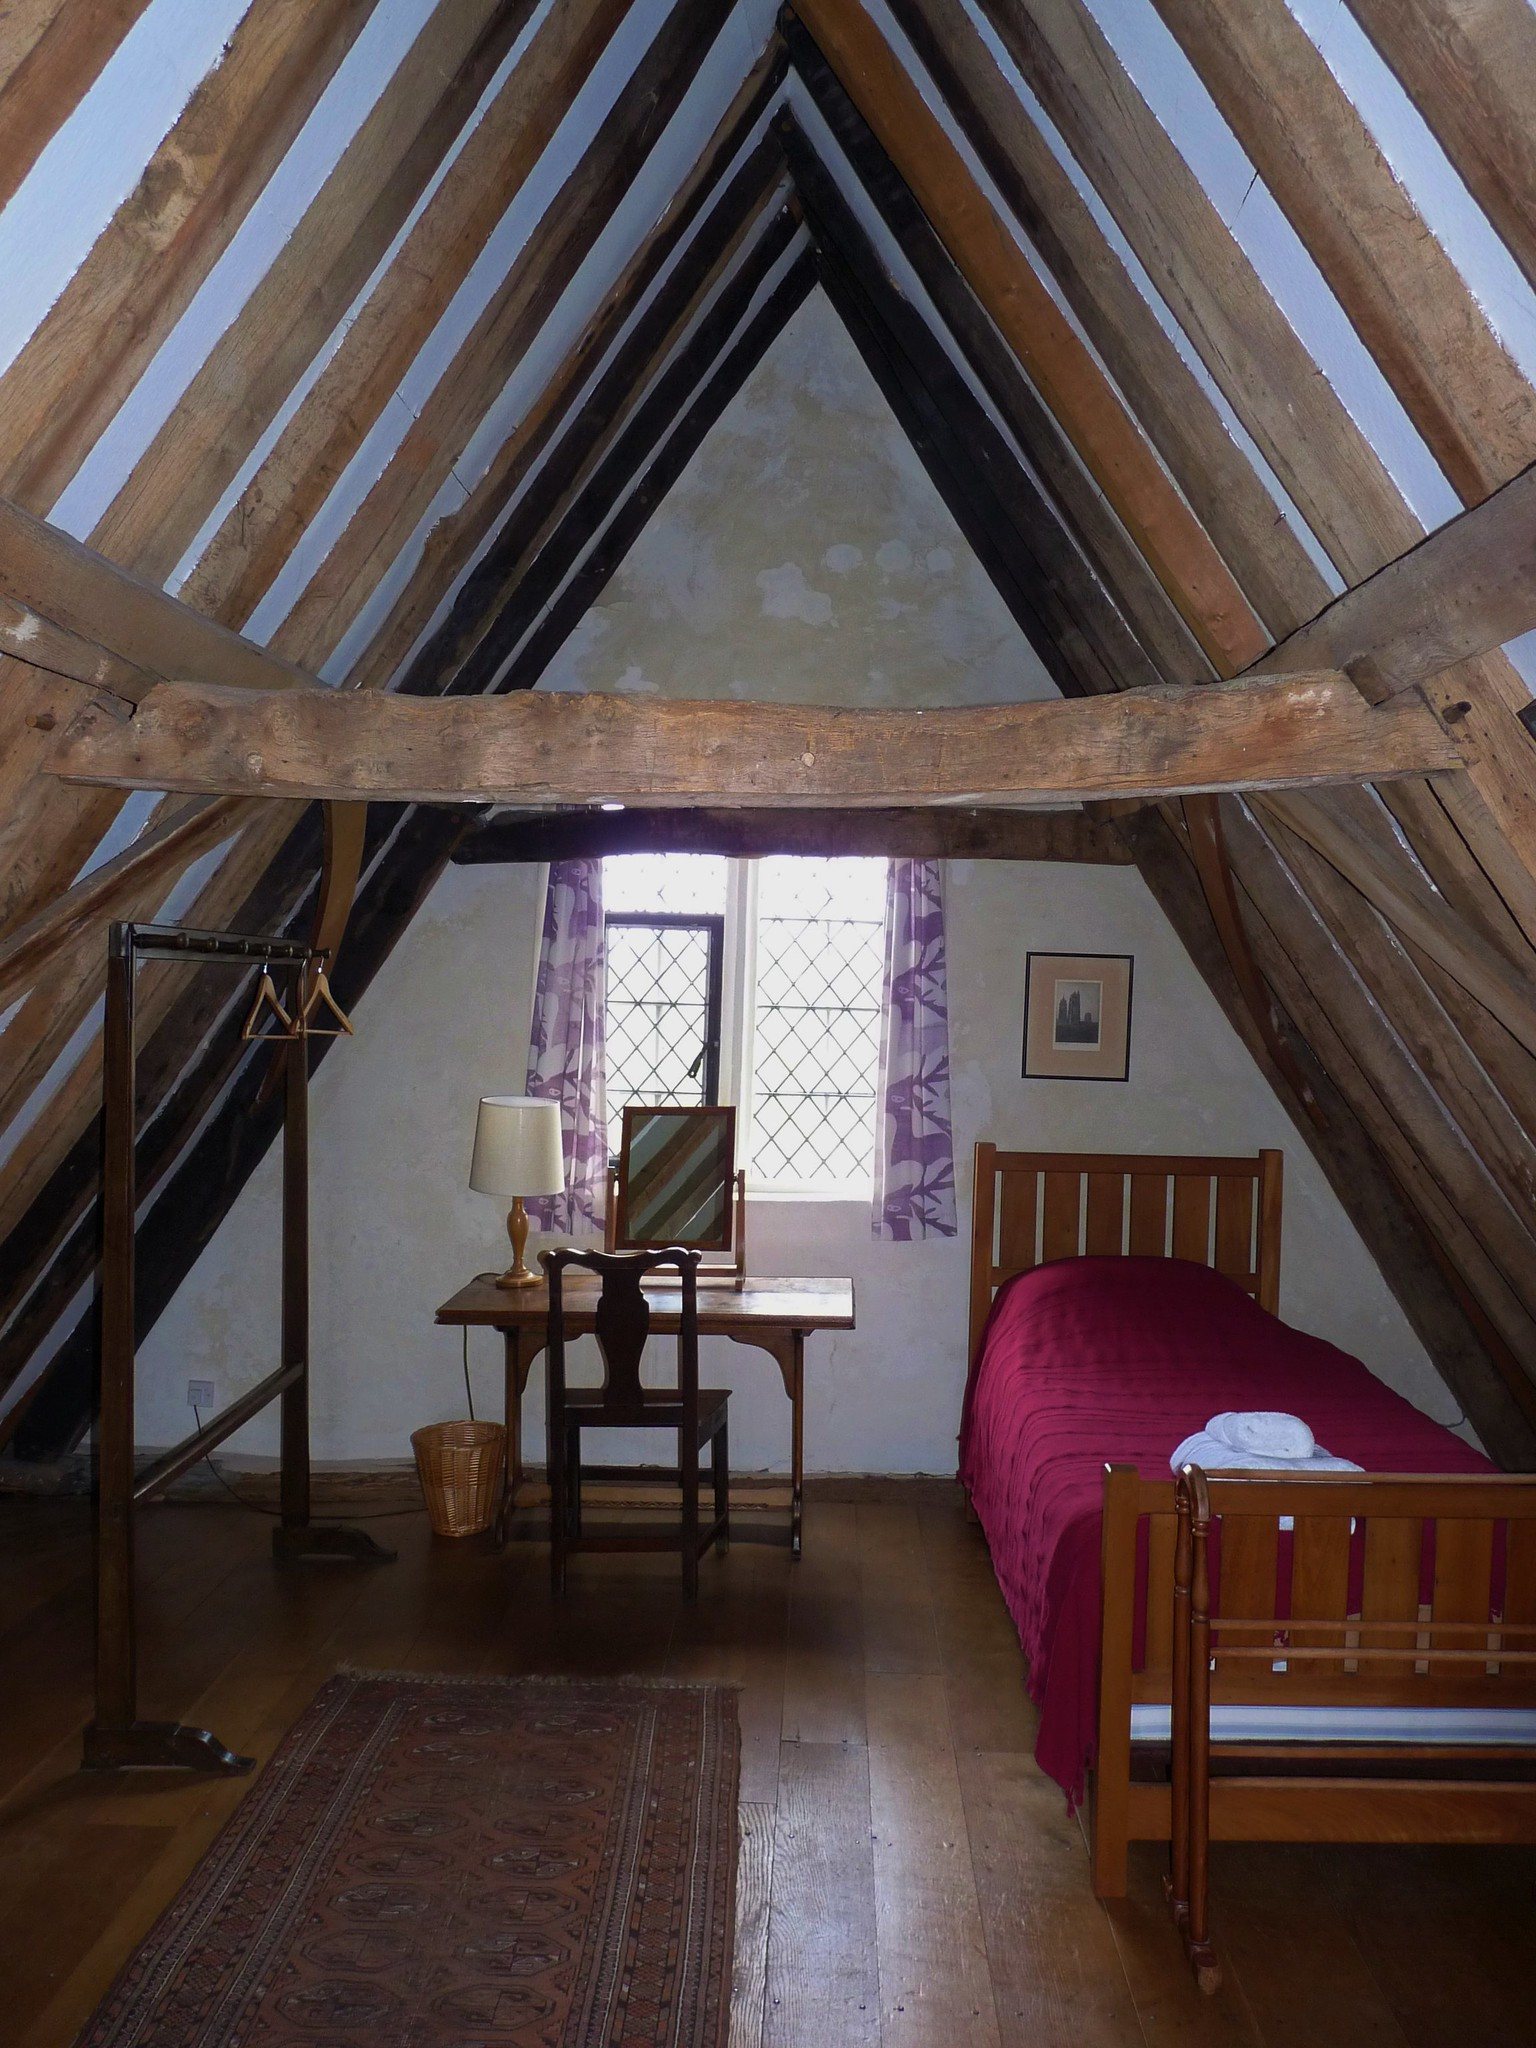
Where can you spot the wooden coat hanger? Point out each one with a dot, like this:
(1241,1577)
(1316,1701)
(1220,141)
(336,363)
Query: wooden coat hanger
(266,1017)
(321,997)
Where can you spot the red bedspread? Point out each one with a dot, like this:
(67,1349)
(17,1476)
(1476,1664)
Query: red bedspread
(1094,1361)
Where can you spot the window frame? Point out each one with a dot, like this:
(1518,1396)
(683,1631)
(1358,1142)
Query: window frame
(712,924)
(734,949)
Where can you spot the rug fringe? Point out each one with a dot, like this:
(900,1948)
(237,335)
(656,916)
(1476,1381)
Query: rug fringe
(554,1678)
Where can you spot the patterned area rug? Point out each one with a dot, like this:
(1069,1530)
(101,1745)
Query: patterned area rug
(444,1863)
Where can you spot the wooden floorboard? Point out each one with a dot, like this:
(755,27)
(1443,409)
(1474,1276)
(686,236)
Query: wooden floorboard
(907,1877)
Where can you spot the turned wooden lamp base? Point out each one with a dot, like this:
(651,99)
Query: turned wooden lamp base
(517,1274)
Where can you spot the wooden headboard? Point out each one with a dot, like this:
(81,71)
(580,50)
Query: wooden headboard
(1034,1206)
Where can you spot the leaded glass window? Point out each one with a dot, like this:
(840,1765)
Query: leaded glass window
(785,954)
(665,930)
(816,1020)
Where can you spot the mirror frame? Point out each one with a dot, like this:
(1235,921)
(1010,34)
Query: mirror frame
(722,1113)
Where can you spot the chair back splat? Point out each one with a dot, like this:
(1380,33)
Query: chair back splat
(622,1321)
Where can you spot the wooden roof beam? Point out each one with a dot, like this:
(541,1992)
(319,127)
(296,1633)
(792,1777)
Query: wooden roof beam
(1470,68)
(1072,836)
(511,321)
(1173,408)
(248,552)
(144,268)
(1057,362)
(49,60)
(1404,296)
(1464,589)
(204,1159)
(1284,732)
(453,542)
(1257,360)
(84,604)
(345,230)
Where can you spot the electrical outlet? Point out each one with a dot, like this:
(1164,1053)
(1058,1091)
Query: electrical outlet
(201,1393)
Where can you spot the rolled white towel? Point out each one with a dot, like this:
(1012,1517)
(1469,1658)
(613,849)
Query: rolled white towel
(1212,1455)
(1265,1430)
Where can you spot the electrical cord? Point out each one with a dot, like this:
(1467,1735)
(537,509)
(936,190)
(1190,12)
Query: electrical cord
(276,1514)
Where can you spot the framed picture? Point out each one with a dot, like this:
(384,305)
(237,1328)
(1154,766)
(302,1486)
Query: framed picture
(1077,1016)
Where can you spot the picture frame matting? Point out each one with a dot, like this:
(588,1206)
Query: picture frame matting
(1077,1016)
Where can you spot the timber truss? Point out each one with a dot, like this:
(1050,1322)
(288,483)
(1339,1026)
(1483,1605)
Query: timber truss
(1363,904)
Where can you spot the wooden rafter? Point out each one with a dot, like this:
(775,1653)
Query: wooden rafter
(630,371)
(1320,455)
(88,601)
(505,836)
(1405,297)
(345,230)
(1466,588)
(88,352)
(1047,347)
(49,59)
(261,530)
(382,525)
(705,191)
(1168,400)
(203,1069)
(1470,68)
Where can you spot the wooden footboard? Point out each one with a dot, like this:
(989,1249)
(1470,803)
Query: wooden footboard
(1357,1551)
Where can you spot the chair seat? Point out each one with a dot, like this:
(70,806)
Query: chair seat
(584,1407)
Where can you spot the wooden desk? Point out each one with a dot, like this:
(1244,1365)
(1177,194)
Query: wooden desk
(775,1316)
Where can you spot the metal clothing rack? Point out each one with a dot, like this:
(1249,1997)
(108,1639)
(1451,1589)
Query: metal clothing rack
(116,1737)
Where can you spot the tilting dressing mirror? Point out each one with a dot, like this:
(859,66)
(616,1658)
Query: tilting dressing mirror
(677,1181)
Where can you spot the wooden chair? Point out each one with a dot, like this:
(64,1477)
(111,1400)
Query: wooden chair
(623,1321)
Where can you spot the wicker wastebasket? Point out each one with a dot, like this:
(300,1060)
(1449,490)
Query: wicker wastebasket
(460,1465)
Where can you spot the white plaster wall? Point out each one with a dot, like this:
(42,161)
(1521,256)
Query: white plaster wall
(396,1229)
(803,555)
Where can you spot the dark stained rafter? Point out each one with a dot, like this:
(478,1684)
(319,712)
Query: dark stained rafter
(947,834)
(202,1162)
(1458,1338)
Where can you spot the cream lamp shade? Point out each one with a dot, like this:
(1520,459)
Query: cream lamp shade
(517,1153)
(517,1147)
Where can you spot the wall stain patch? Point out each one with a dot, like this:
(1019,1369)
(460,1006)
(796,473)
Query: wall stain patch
(804,557)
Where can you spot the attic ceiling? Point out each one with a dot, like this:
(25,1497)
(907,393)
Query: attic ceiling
(376,331)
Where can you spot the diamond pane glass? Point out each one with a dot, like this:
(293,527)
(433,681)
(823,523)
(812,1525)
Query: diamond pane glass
(658,1015)
(816,1049)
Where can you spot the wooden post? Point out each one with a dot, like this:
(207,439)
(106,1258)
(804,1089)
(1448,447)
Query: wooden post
(1197,1942)
(1177,1883)
(296,1538)
(116,1736)
(116,1675)
(295,1309)
(1267,1260)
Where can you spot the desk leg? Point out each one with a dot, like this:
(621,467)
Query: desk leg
(787,1350)
(797,1445)
(522,1347)
(519,1359)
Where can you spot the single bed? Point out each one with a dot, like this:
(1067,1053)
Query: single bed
(1117,1303)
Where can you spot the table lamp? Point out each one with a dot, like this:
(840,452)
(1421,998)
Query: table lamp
(517,1153)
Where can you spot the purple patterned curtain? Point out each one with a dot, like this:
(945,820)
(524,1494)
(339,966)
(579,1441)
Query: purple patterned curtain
(565,1051)
(915,1155)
